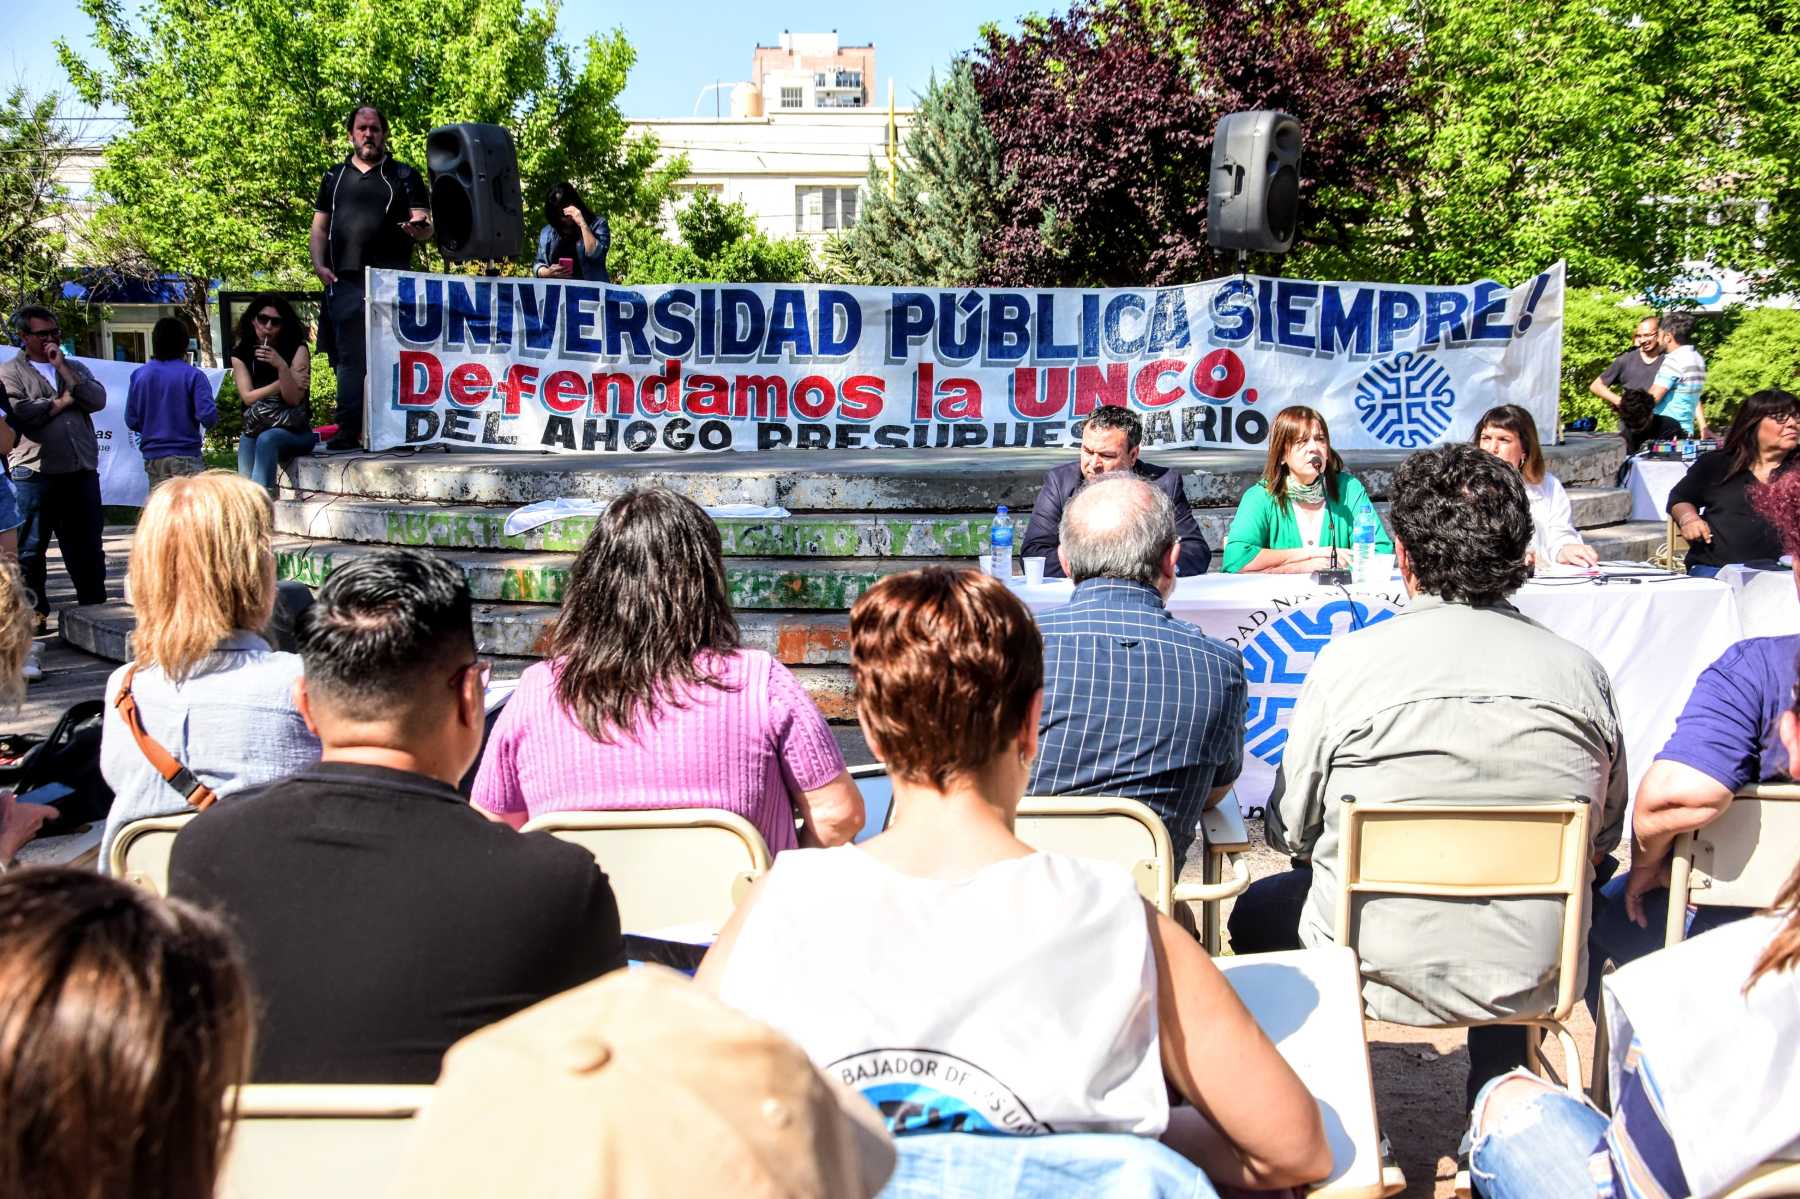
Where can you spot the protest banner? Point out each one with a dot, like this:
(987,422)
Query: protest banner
(573,367)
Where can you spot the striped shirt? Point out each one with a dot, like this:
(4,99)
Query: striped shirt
(1138,704)
(1636,1157)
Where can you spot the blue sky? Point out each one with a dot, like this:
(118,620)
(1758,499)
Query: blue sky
(911,39)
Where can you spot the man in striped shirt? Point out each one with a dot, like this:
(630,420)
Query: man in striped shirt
(1136,702)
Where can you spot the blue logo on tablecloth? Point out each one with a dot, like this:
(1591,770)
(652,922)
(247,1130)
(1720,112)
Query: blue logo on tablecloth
(1277,658)
(1405,401)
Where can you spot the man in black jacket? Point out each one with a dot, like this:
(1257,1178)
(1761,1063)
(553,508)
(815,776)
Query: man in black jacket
(1109,443)
(384,918)
(370,210)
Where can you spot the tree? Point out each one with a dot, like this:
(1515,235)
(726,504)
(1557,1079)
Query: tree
(928,229)
(34,206)
(234,111)
(719,243)
(1105,127)
(1624,139)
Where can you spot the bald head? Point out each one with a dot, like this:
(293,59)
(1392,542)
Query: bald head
(1119,527)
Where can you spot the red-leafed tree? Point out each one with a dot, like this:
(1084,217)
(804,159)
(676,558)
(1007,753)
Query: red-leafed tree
(1105,117)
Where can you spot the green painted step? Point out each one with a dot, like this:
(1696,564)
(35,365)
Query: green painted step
(831,584)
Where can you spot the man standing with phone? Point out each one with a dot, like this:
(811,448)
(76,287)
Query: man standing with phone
(56,467)
(372,209)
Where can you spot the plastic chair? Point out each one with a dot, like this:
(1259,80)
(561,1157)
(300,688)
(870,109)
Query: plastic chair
(140,853)
(1464,851)
(1126,832)
(301,1142)
(669,867)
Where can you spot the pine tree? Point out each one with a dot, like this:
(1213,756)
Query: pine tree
(928,230)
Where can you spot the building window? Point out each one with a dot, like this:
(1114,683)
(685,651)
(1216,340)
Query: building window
(823,209)
(792,97)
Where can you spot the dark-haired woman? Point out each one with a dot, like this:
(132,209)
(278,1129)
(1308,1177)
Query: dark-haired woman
(648,700)
(126,1020)
(1509,434)
(1303,509)
(1711,505)
(273,370)
(573,242)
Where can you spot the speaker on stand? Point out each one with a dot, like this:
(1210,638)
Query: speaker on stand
(1253,193)
(475,201)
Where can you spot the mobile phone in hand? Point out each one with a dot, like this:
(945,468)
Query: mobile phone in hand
(50,794)
(567,265)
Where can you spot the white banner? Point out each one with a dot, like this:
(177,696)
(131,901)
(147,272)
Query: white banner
(538,364)
(122,478)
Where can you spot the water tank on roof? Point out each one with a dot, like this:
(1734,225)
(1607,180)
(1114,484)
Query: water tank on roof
(746,101)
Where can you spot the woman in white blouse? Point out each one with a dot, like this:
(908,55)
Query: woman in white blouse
(1508,432)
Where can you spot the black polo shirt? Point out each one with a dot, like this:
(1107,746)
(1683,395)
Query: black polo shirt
(1740,534)
(366,210)
(384,919)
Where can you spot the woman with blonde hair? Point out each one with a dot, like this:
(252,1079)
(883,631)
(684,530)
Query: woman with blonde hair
(124,1022)
(205,687)
(1303,510)
(19,822)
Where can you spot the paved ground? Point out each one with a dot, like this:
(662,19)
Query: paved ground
(1419,1074)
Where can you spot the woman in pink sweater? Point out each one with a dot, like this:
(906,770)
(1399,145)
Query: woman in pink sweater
(647,700)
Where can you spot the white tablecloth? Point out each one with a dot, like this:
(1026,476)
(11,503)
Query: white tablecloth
(1650,480)
(1654,638)
(1768,605)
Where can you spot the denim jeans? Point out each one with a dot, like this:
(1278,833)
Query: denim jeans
(67,505)
(966,1165)
(1614,936)
(1702,572)
(260,456)
(1539,1150)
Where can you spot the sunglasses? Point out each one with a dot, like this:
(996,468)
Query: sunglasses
(266,318)
(50,332)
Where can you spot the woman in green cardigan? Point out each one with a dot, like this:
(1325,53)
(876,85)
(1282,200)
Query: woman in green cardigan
(1304,504)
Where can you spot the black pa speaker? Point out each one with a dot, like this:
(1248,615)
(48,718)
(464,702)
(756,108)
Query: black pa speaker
(475,200)
(1253,197)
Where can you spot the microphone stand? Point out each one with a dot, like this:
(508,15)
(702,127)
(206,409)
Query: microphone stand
(1333,575)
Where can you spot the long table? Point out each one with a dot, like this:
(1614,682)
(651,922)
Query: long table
(1654,637)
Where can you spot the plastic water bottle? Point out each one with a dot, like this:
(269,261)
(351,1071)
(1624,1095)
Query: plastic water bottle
(1362,544)
(1000,545)
(1690,450)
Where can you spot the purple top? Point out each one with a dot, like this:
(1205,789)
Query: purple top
(1727,729)
(167,406)
(748,750)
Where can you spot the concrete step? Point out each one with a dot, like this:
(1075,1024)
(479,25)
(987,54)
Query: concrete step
(816,649)
(1596,506)
(1629,541)
(826,481)
(830,584)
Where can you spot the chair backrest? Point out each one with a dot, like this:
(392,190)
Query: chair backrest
(668,867)
(1464,851)
(302,1142)
(140,853)
(1741,859)
(1107,828)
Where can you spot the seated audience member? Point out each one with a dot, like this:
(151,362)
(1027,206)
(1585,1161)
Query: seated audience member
(1457,699)
(647,699)
(206,686)
(1509,434)
(1136,702)
(1110,438)
(127,1019)
(638,1068)
(273,371)
(1054,997)
(1703,1079)
(382,919)
(1303,508)
(169,404)
(1711,504)
(1723,741)
(19,822)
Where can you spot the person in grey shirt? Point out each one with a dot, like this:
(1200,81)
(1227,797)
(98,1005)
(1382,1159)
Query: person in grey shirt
(1457,699)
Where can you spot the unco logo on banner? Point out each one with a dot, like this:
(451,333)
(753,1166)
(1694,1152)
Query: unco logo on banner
(1277,657)
(1406,401)
(920,1090)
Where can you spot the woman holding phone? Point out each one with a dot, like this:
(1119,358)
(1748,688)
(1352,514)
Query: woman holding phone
(273,371)
(573,242)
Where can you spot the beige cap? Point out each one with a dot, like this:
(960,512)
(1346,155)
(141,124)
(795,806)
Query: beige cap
(640,1084)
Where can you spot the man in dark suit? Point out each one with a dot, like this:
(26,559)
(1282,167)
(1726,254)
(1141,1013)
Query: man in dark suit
(1109,443)
(384,918)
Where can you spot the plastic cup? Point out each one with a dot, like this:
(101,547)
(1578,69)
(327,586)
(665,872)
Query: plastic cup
(1034,570)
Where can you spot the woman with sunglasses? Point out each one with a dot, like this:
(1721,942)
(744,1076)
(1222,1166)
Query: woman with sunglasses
(273,370)
(1711,505)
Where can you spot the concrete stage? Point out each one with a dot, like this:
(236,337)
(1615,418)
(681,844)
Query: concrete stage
(857,515)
